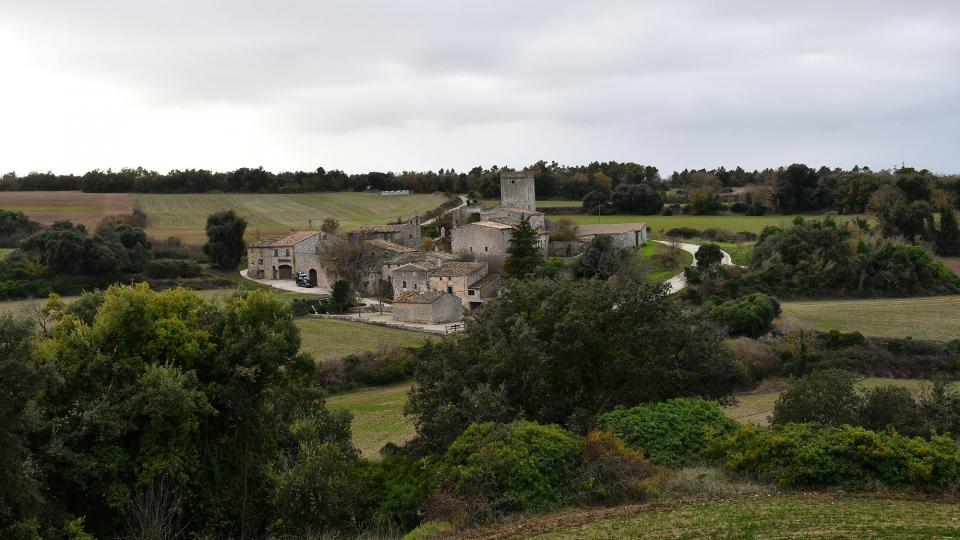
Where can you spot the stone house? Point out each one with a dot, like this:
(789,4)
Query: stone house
(624,235)
(456,278)
(488,241)
(429,307)
(283,258)
(405,234)
(412,276)
(483,290)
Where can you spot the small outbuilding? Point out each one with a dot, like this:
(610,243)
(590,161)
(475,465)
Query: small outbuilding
(429,307)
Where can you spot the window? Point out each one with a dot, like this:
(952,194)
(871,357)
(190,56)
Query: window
(471,249)
(288,252)
(449,289)
(415,286)
(276,253)
(471,292)
(485,248)
(259,261)
(404,284)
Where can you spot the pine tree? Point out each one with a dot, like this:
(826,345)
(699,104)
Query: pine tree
(947,242)
(524,257)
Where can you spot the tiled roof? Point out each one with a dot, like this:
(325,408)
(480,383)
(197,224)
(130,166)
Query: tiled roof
(390,246)
(457,268)
(373,229)
(418,297)
(491,225)
(612,228)
(426,266)
(287,241)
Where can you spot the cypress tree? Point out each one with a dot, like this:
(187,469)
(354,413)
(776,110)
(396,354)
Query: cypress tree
(524,257)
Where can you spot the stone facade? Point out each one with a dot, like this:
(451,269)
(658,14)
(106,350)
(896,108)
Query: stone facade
(431,307)
(624,235)
(456,277)
(413,276)
(405,234)
(517,190)
(483,290)
(484,241)
(283,258)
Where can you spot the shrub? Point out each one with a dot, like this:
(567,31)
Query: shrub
(683,232)
(827,397)
(518,467)
(394,489)
(316,491)
(841,340)
(751,315)
(891,407)
(739,208)
(612,473)
(708,255)
(365,369)
(755,360)
(818,456)
(670,433)
(172,268)
(955,346)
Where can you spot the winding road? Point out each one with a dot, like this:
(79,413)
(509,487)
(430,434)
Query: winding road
(679,281)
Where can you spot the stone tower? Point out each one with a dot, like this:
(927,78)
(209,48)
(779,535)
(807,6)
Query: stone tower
(517,191)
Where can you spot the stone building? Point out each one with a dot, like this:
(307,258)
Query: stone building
(624,235)
(483,290)
(405,234)
(412,276)
(283,258)
(429,307)
(517,190)
(488,241)
(456,277)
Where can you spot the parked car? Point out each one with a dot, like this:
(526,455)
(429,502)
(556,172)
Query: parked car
(303,280)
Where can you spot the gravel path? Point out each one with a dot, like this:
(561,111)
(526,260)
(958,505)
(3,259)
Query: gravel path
(679,281)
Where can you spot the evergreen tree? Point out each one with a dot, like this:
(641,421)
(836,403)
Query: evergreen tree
(947,242)
(225,239)
(524,257)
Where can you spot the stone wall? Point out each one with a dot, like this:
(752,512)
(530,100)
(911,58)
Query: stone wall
(445,309)
(517,190)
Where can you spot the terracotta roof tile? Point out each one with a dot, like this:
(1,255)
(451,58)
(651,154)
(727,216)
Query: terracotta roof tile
(457,268)
(390,246)
(417,297)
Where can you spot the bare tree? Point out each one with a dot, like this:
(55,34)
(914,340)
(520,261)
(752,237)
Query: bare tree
(155,512)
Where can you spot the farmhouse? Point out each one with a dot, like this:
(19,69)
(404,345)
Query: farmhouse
(405,234)
(456,277)
(283,258)
(430,307)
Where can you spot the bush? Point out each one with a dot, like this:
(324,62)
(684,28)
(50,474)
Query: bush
(612,473)
(366,369)
(751,315)
(819,456)
(739,208)
(891,408)
(755,359)
(708,255)
(826,397)
(518,467)
(394,490)
(316,491)
(670,433)
(835,339)
(172,268)
(683,232)
(955,345)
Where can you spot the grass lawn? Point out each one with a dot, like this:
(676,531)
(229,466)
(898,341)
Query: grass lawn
(377,417)
(272,214)
(660,224)
(658,271)
(756,407)
(327,339)
(4,252)
(765,516)
(739,252)
(934,318)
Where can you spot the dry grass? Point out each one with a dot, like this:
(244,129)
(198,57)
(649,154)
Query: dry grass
(76,206)
(933,318)
(327,339)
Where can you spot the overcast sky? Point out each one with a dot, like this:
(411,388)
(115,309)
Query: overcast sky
(400,84)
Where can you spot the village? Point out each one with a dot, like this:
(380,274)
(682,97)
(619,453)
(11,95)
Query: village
(430,289)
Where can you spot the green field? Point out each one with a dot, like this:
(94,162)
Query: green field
(377,417)
(935,318)
(658,271)
(660,224)
(327,339)
(756,407)
(270,214)
(490,203)
(739,252)
(4,252)
(763,516)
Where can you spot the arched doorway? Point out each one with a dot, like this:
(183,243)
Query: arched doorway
(313,276)
(286,271)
